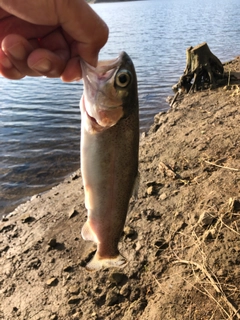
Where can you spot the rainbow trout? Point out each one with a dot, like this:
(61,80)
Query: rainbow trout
(109,154)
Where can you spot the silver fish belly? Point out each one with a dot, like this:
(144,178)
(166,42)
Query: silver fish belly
(109,154)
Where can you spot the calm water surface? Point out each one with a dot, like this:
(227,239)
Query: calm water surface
(40,119)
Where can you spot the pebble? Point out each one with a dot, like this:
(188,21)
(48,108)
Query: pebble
(112,298)
(138,246)
(74,300)
(4,218)
(150,190)
(125,290)
(52,282)
(163,196)
(68,268)
(117,277)
(72,213)
(75,176)
(26,218)
(77,316)
(74,289)
(52,242)
(128,231)
(206,218)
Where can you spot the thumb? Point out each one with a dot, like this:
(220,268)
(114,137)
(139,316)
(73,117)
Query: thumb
(84,26)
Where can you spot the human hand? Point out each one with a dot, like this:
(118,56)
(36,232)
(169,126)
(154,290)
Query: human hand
(48,37)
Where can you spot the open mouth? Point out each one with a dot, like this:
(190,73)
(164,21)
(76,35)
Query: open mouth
(94,124)
(100,103)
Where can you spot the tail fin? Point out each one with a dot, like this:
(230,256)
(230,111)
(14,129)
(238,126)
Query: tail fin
(98,263)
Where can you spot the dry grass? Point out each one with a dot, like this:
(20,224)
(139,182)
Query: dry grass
(196,257)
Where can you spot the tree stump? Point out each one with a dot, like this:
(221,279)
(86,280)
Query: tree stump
(203,67)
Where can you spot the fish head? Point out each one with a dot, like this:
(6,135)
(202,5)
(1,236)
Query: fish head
(109,90)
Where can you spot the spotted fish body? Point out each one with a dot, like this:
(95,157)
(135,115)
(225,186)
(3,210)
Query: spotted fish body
(109,154)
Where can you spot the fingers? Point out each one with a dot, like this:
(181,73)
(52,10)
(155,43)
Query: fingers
(15,50)
(20,57)
(72,71)
(7,69)
(46,63)
(83,24)
(68,30)
(50,60)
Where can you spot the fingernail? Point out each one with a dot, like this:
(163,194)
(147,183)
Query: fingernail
(17,51)
(43,65)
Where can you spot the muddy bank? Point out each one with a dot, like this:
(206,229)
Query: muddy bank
(182,235)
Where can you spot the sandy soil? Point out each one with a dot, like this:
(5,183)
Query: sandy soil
(182,236)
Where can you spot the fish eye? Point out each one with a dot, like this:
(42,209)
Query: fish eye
(123,78)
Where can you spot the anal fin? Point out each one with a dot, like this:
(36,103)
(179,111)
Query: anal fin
(88,233)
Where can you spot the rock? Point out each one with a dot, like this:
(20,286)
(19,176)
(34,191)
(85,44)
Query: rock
(52,282)
(72,213)
(117,277)
(74,289)
(206,218)
(68,268)
(112,297)
(54,317)
(129,232)
(77,316)
(26,218)
(75,176)
(150,190)
(74,300)
(138,246)
(52,242)
(163,196)
(125,290)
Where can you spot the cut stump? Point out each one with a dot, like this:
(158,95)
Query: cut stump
(203,67)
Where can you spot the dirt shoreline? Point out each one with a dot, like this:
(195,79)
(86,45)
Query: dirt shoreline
(182,235)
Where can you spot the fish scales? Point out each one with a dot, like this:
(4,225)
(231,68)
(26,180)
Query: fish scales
(109,154)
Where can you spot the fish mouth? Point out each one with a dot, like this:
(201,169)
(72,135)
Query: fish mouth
(95,126)
(107,121)
(101,103)
(104,67)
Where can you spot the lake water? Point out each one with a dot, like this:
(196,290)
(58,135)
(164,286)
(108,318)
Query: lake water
(40,119)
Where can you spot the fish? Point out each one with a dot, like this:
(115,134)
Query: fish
(109,154)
